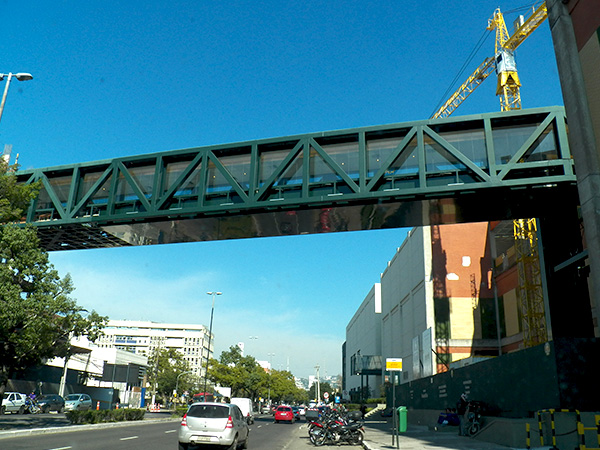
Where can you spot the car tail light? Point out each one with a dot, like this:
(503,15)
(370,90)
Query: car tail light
(229,423)
(184,420)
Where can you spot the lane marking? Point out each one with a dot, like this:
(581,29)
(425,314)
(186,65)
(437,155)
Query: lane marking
(60,448)
(171,431)
(128,438)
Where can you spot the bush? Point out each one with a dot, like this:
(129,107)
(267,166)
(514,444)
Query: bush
(180,411)
(104,415)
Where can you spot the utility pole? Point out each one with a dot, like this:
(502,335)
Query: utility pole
(317,367)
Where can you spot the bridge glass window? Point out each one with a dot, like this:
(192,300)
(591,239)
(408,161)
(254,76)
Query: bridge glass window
(470,143)
(186,193)
(238,165)
(271,157)
(143,175)
(61,187)
(508,140)
(344,151)
(380,145)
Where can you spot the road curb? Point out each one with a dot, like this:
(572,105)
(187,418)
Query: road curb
(72,428)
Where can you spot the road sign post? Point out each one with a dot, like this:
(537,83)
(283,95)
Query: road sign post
(394,365)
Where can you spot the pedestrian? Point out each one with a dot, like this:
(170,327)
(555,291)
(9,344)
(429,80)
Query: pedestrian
(461,410)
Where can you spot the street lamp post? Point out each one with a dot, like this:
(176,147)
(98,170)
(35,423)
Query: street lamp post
(270,369)
(18,76)
(212,312)
(177,381)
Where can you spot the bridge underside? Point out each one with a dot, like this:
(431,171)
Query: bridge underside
(464,169)
(481,206)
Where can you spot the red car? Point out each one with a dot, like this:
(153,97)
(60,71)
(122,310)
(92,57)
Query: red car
(284,414)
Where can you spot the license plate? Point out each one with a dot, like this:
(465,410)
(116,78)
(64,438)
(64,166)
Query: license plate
(201,438)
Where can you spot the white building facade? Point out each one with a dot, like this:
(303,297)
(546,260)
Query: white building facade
(363,342)
(141,337)
(407,306)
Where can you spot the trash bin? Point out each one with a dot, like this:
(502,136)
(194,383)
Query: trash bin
(402,419)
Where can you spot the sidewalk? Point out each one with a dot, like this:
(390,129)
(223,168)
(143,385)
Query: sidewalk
(378,436)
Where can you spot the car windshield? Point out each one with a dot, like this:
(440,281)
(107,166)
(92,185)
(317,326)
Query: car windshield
(209,411)
(72,397)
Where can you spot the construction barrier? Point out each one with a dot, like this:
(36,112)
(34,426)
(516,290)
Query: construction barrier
(98,406)
(581,429)
(155,407)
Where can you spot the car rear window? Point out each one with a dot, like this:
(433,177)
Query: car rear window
(284,408)
(209,411)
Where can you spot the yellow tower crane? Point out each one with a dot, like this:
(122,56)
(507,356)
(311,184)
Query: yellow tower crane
(529,291)
(503,63)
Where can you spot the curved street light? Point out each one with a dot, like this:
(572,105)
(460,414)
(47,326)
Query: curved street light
(177,381)
(212,311)
(19,76)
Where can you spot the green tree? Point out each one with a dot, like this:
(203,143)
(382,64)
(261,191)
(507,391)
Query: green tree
(164,366)
(325,387)
(242,374)
(37,315)
(247,378)
(284,389)
(14,198)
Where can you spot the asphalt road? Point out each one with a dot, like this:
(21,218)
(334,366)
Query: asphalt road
(149,435)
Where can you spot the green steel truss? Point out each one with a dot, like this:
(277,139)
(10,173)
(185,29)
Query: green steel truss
(415,173)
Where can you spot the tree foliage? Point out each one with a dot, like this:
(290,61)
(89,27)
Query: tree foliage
(14,198)
(37,315)
(324,387)
(247,378)
(164,366)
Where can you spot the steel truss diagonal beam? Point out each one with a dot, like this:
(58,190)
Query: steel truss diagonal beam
(406,163)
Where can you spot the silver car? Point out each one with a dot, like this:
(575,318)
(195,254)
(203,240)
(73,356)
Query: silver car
(213,424)
(78,402)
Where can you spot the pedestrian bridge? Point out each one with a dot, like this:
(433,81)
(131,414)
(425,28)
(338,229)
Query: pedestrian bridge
(460,169)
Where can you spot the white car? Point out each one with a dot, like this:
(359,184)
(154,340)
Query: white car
(13,402)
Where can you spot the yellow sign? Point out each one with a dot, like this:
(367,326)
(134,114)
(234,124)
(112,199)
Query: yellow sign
(393,364)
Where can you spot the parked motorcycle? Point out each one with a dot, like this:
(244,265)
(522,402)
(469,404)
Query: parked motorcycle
(473,416)
(337,428)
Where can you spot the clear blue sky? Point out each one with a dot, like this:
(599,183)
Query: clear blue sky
(124,78)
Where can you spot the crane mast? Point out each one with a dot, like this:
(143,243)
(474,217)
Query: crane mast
(506,67)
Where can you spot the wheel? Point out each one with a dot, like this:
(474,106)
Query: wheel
(2,410)
(245,444)
(182,446)
(46,409)
(21,410)
(61,410)
(234,444)
(473,429)
(317,436)
(358,437)
(320,438)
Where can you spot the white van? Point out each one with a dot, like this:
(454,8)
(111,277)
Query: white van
(245,404)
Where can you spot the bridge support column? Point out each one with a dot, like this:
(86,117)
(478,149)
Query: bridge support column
(566,275)
(582,137)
